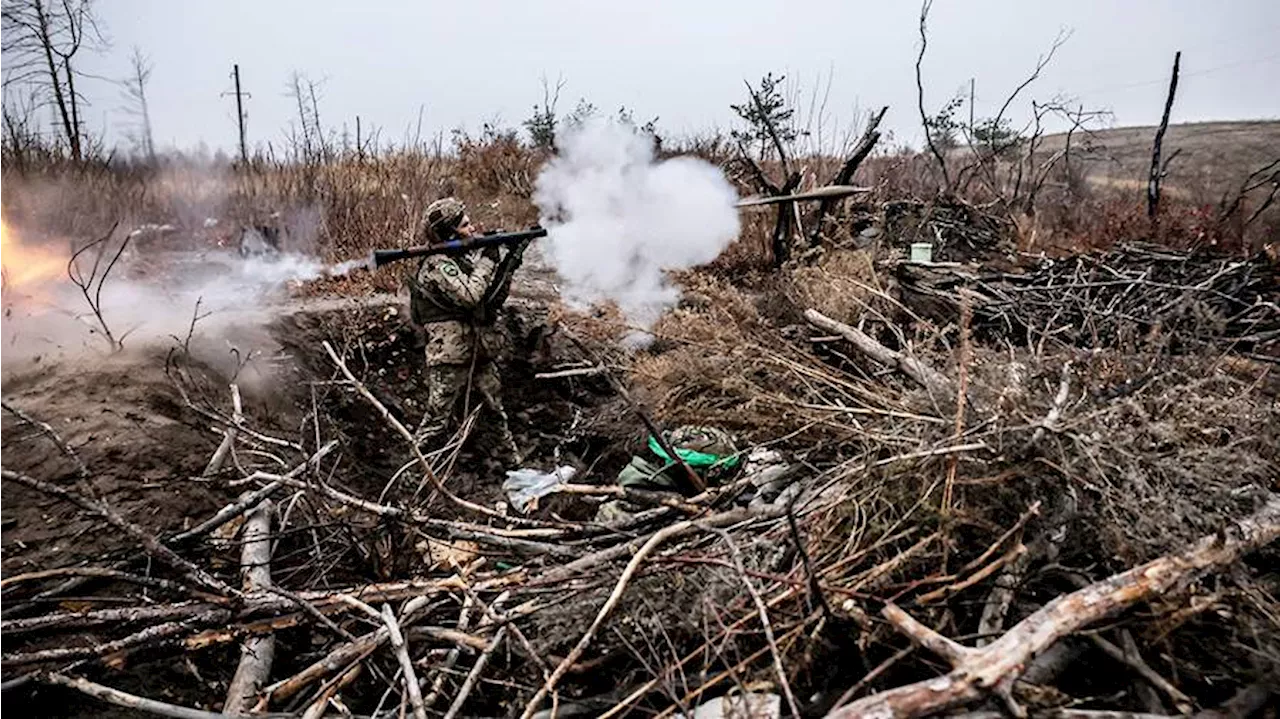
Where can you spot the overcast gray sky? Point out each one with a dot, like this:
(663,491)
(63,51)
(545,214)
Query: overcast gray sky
(682,61)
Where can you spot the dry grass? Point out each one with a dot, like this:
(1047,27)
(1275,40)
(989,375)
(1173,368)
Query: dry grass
(1149,449)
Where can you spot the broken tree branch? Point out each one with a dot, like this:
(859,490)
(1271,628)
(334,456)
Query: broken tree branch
(228,434)
(866,143)
(258,651)
(401,649)
(150,706)
(251,499)
(977,672)
(1153,178)
(149,542)
(929,378)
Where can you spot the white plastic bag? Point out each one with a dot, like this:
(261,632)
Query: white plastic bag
(524,486)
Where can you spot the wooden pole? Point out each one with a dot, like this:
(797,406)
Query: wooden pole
(244,153)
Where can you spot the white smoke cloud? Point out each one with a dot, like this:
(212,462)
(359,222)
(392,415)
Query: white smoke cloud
(616,218)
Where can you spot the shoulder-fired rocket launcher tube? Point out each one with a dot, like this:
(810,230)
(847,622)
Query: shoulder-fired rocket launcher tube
(460,245)
(830,192)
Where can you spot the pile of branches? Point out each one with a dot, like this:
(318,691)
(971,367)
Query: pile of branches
(1134,295)
(969,537)
(957,230)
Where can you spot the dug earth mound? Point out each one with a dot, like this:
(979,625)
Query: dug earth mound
(149,421)
(1038,486)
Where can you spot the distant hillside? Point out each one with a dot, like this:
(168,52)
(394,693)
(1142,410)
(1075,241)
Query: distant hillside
(1214,157)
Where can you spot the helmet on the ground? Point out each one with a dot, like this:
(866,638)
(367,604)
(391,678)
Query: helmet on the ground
(444,216)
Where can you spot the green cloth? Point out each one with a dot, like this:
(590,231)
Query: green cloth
(666,475)
(693,457)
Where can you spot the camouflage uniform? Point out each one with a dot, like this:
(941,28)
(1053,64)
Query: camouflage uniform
(456,299)
(709,451)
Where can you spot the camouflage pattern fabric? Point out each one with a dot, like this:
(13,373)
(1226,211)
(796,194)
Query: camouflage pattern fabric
(655,472)
(456,299)
(443,216)
(447,388)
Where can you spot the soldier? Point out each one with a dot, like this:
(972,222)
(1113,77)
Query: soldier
(457,299)
(709,451)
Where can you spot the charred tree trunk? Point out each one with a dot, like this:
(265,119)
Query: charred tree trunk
(59,97)
(868,141)
(1153,179)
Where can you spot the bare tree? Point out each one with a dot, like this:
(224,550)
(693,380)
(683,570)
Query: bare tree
(924,118)
(21,141)
(135,93)
(309,138)
(42,39)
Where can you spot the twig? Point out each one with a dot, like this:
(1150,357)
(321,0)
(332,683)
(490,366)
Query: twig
(962,389)
(98,573)
(872,675)
(341,655)
(474,675)
(321,703)
(1059,401)
(1133,660)
(151,706)
(311,609)
(401,648)
(815,587)
(579,372)
(251,499)
(228,434)
(992,668)
(157,635)
(924,119)
(944,592)
(152,545)
(763,611)
(464,620)
(604,556)
(614,597)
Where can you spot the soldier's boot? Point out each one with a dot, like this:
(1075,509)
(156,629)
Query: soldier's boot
(430,433)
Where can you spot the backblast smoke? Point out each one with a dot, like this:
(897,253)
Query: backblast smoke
(617,218)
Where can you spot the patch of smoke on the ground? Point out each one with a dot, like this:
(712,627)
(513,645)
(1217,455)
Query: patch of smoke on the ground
(618,218)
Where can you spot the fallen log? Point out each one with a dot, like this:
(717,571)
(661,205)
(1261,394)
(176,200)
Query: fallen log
(977,672)
(258,651)
(926,376)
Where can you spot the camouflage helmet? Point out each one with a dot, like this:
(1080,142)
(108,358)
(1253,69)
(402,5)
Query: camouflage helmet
(444,216)
(700,446)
